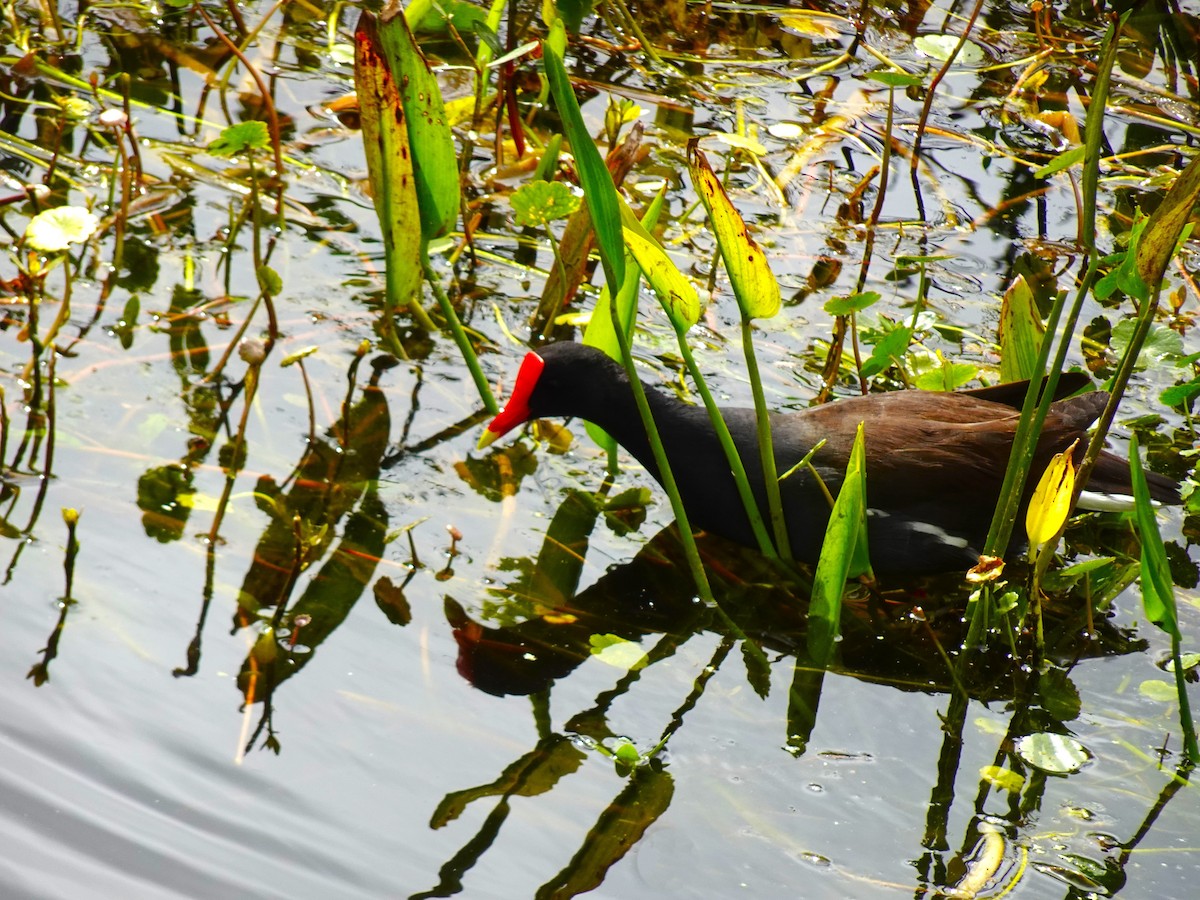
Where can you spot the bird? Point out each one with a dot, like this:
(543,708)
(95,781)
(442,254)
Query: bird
(935,460)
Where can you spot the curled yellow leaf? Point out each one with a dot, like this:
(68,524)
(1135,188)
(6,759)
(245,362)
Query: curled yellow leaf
(1051,502)
(677,294)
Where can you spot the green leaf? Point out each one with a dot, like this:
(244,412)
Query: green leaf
(57,229)
(240,138)
(1061,579)
(949,376)
(437,17)
(896,79)
(573,11)
(292,358)
(844,306)
(1021,333)
(538,202)
(1005,779)
(269,281)
(750,275)
(1161,345)
(1187,661)
(598,187)
(888,352)
(1125,276)
(1158,594)
(600,332)
(820,25)
(628,754)
(1180,394)
(1167,223)
(434,160)
(548,164)
(941,47)
(1158,690)
(1064,160)
(594,175)
(844,548)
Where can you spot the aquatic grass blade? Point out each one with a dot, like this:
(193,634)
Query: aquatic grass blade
(597,183)
(846,529)
(1158,591)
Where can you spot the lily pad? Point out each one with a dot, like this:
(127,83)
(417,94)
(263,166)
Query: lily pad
(57,229)
(1056,754)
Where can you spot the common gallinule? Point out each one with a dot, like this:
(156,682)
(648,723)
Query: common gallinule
(935,461)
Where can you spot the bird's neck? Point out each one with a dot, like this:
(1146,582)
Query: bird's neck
(614,408)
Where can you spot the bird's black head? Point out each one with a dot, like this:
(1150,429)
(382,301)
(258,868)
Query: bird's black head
(554,381)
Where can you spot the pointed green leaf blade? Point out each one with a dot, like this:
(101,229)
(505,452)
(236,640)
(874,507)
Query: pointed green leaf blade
(1158,594)
(434,160)
(841,554)
(598,187)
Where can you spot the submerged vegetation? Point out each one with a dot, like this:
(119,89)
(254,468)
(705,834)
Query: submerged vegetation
(449,201)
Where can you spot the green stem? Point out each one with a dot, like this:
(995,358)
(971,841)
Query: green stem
(1185,709)
(731,454)
(691,551)
(459,333)
(766,446)
(1030,426)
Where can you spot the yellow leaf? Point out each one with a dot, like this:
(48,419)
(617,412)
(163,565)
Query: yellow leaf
(750,275)
(1051,501)
(813,24)
(677,294)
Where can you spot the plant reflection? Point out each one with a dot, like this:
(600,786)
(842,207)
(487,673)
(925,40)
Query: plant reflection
(547,628)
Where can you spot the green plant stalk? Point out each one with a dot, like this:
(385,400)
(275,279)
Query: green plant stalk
(602,199)
(766,446)
(1185,707)
(459,333)
(837,556)
(4,426)
(71,518)
(691,551)
(731,454)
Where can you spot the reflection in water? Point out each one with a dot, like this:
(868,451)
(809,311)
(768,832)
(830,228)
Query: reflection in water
(549,628)
(337,478)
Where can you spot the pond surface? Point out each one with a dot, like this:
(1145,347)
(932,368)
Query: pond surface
(370,661)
